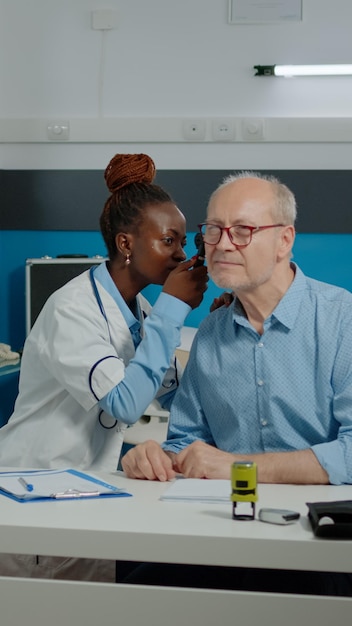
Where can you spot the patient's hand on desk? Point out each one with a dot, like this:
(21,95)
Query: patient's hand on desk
(200,460)
(148,461)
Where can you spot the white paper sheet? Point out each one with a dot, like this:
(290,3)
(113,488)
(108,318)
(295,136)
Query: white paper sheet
(198,490)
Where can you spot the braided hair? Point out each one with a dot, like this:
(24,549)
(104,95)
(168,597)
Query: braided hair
(129,178)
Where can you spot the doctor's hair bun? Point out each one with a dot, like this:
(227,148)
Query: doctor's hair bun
(129,178)
(125,169)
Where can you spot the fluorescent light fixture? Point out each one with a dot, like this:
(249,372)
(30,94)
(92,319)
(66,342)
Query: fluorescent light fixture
(303,70)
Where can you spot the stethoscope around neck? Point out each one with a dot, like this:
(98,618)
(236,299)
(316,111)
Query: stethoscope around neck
(114,422)
(98,298)
(96,293)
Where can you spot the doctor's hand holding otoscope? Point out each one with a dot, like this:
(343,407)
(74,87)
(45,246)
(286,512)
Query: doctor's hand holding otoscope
(194,283)
(189,280)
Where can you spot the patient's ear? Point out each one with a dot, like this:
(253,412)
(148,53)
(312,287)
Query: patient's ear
(287,239)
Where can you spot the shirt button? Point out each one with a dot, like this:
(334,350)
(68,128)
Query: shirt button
(260,382)
(260,344)
(264,423)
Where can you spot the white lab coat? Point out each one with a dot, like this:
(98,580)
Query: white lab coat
(70,362)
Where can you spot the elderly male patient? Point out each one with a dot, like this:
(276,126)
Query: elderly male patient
(269,377)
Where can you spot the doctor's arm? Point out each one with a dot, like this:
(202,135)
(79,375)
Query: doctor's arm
(145,372)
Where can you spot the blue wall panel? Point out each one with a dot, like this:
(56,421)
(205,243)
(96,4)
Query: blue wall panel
(325,257)
(321,256)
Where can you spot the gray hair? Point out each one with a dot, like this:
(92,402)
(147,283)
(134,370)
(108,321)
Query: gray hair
(284,210)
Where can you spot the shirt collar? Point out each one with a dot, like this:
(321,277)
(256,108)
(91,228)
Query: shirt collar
(287,309)
(101,274)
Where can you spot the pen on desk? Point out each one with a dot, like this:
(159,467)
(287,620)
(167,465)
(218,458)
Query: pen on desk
(24,484)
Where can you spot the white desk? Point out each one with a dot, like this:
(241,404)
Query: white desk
(145,529)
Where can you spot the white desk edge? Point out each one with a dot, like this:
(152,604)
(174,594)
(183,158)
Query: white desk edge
(145,528)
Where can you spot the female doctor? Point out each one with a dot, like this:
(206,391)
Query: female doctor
(98,354)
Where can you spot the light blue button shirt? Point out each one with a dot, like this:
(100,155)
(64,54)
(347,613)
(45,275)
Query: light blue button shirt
(288,389)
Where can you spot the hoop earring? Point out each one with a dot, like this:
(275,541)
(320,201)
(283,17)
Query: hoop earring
(127,259)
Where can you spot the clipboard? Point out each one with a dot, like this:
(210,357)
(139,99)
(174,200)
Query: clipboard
(67,484)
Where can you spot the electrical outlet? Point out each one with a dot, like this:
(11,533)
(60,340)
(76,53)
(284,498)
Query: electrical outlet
(253,129)
(104,19)
(194,130)
(223,130)
(58,131)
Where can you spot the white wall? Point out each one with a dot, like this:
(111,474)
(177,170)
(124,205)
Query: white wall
(168,58)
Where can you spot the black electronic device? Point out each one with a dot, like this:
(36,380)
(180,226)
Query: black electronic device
(278,516)
(199,243)
(46,274)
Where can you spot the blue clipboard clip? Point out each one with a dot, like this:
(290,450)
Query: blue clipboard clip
(74,493)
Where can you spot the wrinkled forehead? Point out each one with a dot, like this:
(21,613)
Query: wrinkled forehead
(245,200)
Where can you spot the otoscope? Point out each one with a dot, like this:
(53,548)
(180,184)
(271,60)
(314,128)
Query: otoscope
(198,240)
